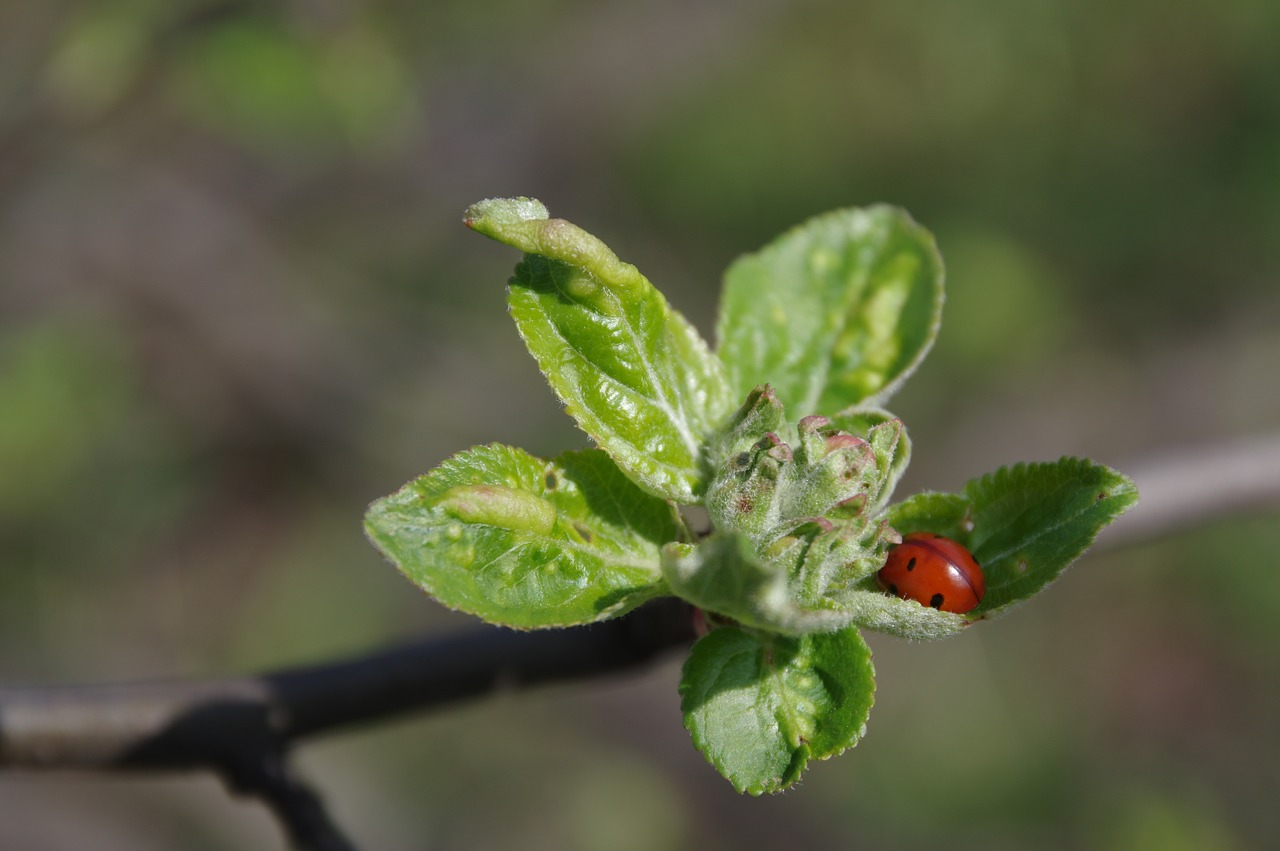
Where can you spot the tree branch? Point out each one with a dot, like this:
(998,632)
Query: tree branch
(243,727)
(1190,486)
(267,775)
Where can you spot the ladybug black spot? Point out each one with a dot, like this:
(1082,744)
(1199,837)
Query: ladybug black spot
(893,589)
(911,565)
(936,601)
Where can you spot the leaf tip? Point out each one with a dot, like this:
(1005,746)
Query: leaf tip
(491,214)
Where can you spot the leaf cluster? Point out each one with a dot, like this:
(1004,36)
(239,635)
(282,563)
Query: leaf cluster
(780,434)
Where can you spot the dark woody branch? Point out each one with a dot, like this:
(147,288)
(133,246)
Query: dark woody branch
(243,727)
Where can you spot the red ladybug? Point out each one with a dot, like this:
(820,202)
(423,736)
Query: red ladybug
(934,571)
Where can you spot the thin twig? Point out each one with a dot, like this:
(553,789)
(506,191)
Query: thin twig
(267,775)
(242,727)
(1186,487)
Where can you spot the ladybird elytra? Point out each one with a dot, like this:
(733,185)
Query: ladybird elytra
(933,571)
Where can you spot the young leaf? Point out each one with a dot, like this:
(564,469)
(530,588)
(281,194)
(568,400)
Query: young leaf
(632,372)
(868,607)
(722,574)
(760,706)
(760,415)
(835,313)
(1024,524)
(523,542)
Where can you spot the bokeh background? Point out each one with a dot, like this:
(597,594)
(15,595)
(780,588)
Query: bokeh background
(237,304)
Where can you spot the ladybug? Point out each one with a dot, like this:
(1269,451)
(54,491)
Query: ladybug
(934,571)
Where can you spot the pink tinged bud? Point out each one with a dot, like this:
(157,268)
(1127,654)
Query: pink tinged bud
(781,452)
(773,446)
(841,440)
(813,423)
(851,507)
(763,396)
(823,524)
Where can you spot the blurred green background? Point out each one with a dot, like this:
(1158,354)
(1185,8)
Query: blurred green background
(237,304)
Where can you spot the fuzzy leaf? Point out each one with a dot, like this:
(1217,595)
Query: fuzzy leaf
(723,574)
(632,372)
(523,542)
(760,706)
(760,415)
(835,313)
(1024,524)
(868,607)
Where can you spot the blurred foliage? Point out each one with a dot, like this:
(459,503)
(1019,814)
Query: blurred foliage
(265,85)
(237,303)
(66,394)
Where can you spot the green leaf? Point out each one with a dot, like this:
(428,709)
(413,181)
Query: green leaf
(1024,524)
(868,607)
(929,511)
(722,574)
(835,313)
(632,372)
(759,706)
(761,414)
(523,542)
